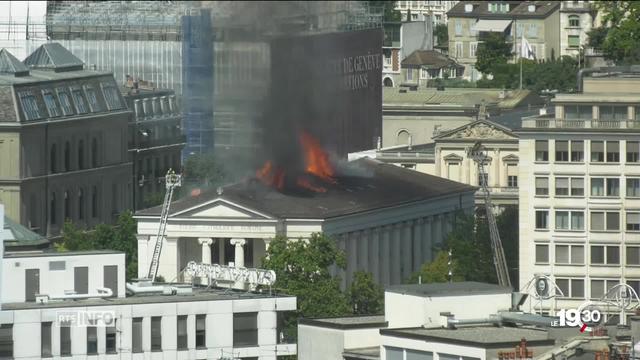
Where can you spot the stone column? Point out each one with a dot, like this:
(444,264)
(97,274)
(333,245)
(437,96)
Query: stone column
(352,254)
(363,250)
(239,253)
(417,245)
(206,249)
(396,260)
(407,250)
(428,240)
(385,256)
(375,262)
(498,181)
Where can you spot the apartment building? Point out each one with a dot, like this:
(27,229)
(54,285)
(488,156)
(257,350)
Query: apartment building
(580,222)
(421,10)
(63,147)
(537,21)
(400,41)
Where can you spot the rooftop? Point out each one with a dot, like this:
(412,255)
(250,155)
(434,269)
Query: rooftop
(364,185)
(368,353)
(49,253)
(199,294)
(17,236)
(449,289)
(457,98)
(481,336)
(349,322)
(9,64)
(517,10)
(429,59)
(53,56)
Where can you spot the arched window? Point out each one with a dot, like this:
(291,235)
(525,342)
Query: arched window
(388,82)
(81,154)
(94,152)
(574,20)
(52,209)
(67,156)
(94,202)
(67,207)
(54,158)
(403,137)
(80,205)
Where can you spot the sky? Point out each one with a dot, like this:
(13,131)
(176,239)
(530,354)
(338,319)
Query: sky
(17,10)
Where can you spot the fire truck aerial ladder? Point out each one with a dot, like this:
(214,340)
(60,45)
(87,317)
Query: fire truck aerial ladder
(172,181)
(479,155)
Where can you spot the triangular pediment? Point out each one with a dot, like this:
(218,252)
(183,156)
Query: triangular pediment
(221,208)
(478,130)
(453,157)
(511,157)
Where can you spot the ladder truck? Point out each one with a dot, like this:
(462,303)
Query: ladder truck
(478,154)
(172,181)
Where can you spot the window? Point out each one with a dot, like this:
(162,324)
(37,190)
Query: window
(110,339)
(633,151)
(605,187)
(67,206)
(459,53)
(111,96)
(633,221)
(600,287)
(473,48)
(182,332)
(574,21)
(458,28)
(65,340)
(53,159)
(409,74)
(92,340)
(571,288)
(633,255)
(65,102)
(597,151)
(562,186)
(613,151)
(424,74)
(94,202)
(50,102)
(519,29)
(577,150)
(201,331)
(542,254)
(635,284)
(156,333)
(52,210)
(6,341)
(512,181)
(245,329)
(80,154)
(94,152)
(542,150)
(114,198)
(613,113)
(601,255)
(67,156)
(542,186)
(414,17)
(93,99)
(29,105)
(136,335)
(633,187)
(574,41)
(577,187)
(569,220)
(562,150)
(605,221)
(570,254)
(78,100)
(483,179)
(80,205)
(578,112)
(542,219)
(45,339)
(533,31)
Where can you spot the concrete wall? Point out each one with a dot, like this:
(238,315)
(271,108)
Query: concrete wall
(320,343)
(417,35)
(55,282)
(466,352)
(425,311)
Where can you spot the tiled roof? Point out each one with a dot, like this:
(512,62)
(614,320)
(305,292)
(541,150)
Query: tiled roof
(16,235)
(10,65)
(430,59)
(517,9)
(53,56)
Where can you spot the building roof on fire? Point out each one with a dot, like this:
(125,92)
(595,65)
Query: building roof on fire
(361,185)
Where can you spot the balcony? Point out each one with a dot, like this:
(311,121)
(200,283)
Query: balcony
(548,122)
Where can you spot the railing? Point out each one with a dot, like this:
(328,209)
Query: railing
(547,123)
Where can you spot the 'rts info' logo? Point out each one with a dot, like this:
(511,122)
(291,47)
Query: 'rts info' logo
(85,318)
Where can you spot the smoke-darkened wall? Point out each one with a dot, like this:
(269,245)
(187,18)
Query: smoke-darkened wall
(328,85)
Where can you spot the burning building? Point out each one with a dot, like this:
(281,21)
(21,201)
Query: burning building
(386,218)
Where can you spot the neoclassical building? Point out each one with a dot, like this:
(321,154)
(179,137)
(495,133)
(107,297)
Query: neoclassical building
(389,221)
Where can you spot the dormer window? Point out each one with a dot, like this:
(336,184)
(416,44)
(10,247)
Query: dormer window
(531,8)
(29,105)
(93,99)
(469,7)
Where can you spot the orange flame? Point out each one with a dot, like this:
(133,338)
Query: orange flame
(305,183)
(270,177)
(316,159)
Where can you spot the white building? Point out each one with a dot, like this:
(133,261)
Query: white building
(387,220)
(154,322)
(580,214)
(422,9)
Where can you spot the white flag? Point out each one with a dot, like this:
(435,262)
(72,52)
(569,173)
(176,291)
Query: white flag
(526,51)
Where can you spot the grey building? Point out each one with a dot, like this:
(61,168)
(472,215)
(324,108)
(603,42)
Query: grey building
(155,139)
(62,141)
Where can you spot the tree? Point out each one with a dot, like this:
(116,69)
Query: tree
(302,269)
(118,237)
(365,295)
(494,50)
(437,271)
(559,74)
(441,33)
(622,40)
(596,37)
